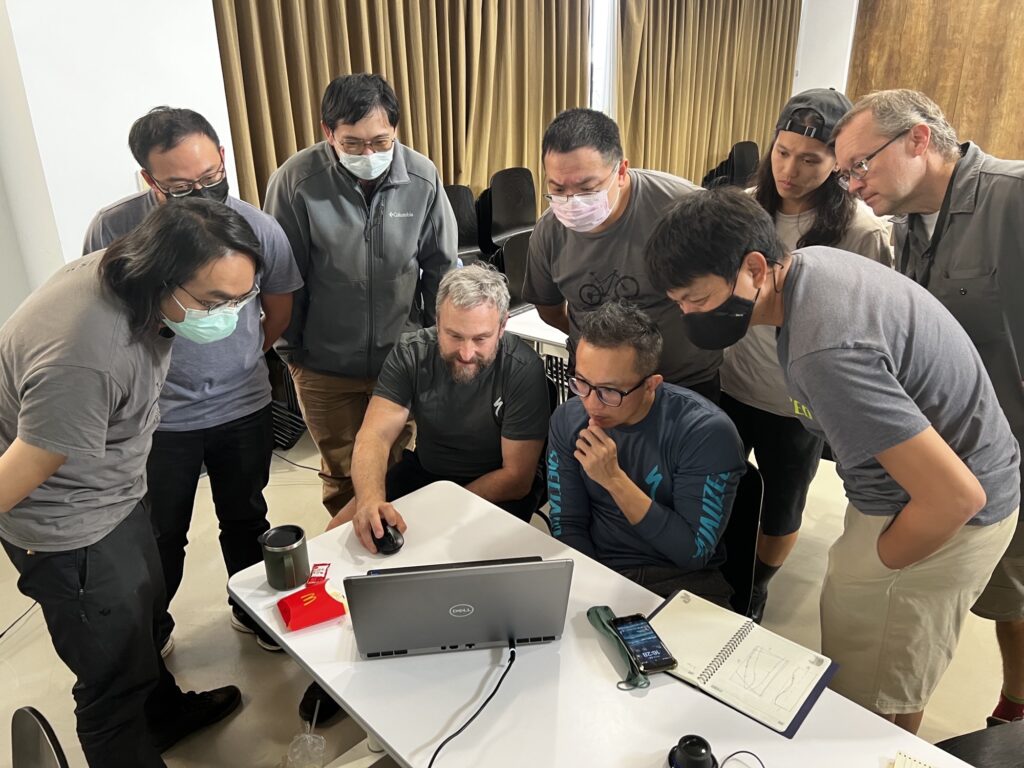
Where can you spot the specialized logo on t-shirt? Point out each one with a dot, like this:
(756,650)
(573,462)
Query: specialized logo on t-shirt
(801,410)
(611,287)
(712,504)
(554,493)
(498,405)
(653,480)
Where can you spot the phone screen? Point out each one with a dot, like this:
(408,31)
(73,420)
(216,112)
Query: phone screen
(643,643)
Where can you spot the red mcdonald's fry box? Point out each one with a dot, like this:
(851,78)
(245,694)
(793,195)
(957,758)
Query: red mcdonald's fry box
(312,605)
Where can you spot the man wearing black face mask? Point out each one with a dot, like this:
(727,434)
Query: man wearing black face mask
(215,406)
(876,365)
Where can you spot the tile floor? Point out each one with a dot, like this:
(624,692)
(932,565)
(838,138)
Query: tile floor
(209,653)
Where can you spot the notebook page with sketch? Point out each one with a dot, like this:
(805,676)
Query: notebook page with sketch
(753,670)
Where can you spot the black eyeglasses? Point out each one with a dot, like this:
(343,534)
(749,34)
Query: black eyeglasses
(213,306)
(183,188)
(860,168)
(608,395)
(356,146)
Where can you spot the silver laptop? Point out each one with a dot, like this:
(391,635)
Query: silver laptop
(458,606)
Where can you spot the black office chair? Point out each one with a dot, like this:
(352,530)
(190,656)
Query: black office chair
(461,199)
(33,742)
(740,538)
(554,399)
(1001,746)
(509,207)
(737,169)
(513,264)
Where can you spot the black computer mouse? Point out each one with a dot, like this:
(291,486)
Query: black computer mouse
(390,542)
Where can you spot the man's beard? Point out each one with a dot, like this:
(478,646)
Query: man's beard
(465,373)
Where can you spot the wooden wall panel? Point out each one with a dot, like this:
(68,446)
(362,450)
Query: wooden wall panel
(968,57)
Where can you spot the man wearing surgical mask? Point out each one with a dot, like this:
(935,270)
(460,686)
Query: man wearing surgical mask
(215,406)
(587,249)
(373,234)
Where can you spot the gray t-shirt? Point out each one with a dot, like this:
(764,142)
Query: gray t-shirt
(751,372)
(212,384)
(458,433)
(74,382)
(872,359)
(587,269)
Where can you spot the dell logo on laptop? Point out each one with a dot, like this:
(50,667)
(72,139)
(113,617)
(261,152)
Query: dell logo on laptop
(461,611)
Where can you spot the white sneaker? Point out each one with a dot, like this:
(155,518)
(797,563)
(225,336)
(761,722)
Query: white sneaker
(168,648)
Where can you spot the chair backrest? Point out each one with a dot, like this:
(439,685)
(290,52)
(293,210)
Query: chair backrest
(33,742)
(513,264)
(999,746)
(740,538)
(737,169)
(461,198)
(513,203)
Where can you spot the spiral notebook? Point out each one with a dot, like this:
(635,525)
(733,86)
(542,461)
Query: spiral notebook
(766,677)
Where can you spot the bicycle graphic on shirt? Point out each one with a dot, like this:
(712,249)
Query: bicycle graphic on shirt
(593,294)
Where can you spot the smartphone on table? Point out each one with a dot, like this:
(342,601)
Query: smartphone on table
(643,643)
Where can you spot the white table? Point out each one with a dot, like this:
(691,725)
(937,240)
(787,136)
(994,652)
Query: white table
(546,339)
(559,705)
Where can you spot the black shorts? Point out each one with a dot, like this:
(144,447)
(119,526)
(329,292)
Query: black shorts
(787,457)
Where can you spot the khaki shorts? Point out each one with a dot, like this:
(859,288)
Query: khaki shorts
(1003,598)
(893,633)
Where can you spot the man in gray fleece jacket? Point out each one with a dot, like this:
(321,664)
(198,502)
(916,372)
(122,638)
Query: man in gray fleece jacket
(372,232)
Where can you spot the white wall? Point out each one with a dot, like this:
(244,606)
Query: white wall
(75,76)
(824,44)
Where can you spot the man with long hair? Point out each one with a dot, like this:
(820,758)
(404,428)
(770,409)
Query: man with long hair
(82,363)
(796,184)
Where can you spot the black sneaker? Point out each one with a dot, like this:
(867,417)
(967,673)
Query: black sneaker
(192,712)
(329,708)
(758,600)
(243,622)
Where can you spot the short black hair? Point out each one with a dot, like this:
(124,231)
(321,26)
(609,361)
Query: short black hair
(620,324)
(577,128)
(350,98)
(709,233)
(171,244)
(164,128)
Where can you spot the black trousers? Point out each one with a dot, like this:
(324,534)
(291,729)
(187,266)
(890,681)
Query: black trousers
(408,475)
(100,604)
(708,583)
(237,457)
(787,458)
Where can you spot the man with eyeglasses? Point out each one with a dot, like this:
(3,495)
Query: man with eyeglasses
(373,233)
(587,249)
(641,473)
(215,405)
(958,228)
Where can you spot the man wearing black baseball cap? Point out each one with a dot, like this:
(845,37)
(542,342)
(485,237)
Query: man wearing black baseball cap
(796,183)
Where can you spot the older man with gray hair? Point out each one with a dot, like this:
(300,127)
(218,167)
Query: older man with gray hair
(480,401)
(958,228)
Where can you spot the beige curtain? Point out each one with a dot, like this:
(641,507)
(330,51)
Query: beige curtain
(480,74)
(696,76)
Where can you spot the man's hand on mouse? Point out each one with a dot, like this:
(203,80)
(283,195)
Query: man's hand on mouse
(367,522)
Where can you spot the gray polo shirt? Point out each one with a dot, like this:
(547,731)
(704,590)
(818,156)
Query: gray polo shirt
(212,384)
(587,269)
(75,382)
(978,272)
(871,360)
(458,433)
(750,372)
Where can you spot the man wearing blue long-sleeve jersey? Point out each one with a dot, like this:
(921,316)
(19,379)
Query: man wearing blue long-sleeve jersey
(641,474)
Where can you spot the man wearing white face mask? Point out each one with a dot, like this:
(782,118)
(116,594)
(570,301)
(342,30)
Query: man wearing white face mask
(588,248)
(373,233)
